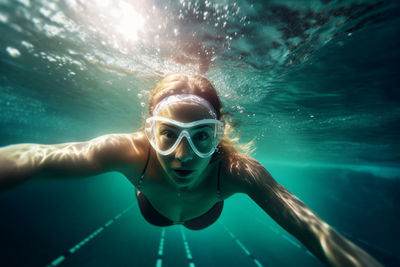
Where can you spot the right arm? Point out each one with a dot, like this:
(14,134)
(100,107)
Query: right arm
(114,152)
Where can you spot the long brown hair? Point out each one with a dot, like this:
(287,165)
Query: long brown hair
(200,86)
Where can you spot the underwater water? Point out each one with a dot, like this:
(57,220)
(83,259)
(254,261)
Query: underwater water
(314,83)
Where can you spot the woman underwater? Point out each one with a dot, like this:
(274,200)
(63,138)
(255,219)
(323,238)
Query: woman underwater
(183,168)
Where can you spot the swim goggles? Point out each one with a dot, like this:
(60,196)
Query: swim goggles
(165,135)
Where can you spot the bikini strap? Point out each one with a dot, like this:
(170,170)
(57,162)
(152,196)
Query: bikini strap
(218,185)
(140,183)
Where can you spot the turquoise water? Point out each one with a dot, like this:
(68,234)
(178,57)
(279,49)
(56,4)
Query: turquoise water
(314,82)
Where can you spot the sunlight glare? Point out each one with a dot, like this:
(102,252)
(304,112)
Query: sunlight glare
(128,22)
(121,17)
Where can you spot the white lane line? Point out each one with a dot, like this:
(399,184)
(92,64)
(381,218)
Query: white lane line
(159,263)
(310,254)
(160,249)
(84,241)
(240,244)
(286,237)
(187,249)
(109,223)
(296,244)
(57,261)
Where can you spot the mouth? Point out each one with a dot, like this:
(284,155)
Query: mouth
(183,173)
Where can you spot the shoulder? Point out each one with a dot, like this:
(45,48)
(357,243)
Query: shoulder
(241,173)
(234,173)
(121,152)
(120,144)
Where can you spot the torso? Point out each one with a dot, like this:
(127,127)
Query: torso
(174,204)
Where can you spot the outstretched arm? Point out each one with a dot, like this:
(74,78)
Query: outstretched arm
(295,217)
(22,162)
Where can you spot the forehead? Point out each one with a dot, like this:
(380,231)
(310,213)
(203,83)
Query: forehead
(185,112)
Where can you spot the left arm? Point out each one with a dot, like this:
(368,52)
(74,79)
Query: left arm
(296,218)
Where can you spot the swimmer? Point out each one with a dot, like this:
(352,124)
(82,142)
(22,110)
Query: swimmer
(183,166)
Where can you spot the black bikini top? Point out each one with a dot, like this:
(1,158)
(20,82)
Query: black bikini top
(140,183)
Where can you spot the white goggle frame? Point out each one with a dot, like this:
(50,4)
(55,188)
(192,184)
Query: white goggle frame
(150,133)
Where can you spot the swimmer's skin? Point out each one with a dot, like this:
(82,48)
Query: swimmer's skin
(127,154)
(181,200)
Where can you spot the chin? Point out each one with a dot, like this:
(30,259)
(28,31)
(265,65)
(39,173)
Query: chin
(183,181)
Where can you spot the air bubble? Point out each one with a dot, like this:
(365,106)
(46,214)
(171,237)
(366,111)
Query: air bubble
(27,45)
(13,51)
(3,18)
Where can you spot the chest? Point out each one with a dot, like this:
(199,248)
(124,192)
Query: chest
(180,205)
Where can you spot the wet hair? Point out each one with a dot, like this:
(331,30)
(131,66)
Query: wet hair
(185,84)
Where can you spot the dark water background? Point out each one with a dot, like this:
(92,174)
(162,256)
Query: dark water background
(316,83)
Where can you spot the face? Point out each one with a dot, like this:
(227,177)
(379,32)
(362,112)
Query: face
(183,166)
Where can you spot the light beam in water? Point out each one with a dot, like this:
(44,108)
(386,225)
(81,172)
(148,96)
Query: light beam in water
(121,17)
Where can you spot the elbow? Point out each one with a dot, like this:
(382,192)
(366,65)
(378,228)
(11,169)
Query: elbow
(9,182)
(15,168)
(12,177)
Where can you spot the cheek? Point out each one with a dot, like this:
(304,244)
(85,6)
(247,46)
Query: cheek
(203,163)
(164,160)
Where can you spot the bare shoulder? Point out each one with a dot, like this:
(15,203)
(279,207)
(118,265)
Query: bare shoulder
(241,173)
(126,153)
(127,144)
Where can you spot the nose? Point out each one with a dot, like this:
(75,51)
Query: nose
(184,152)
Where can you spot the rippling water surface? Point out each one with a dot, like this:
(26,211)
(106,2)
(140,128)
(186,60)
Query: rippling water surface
(314,83)
(310,80)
